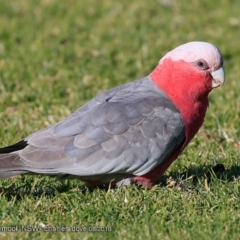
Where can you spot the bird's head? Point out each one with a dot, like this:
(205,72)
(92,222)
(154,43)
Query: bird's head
(191,70)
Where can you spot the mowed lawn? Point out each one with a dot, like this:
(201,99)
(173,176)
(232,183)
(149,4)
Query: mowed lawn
(56,56)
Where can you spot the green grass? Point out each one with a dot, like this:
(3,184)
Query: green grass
(57,55)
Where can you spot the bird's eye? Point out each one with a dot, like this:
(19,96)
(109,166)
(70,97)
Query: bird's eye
(201,64)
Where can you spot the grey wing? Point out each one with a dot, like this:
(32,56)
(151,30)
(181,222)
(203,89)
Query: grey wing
(129,129)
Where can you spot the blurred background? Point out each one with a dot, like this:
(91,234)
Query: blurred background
(57,55)
(62,53)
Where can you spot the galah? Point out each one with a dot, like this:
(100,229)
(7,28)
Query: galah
(128,134)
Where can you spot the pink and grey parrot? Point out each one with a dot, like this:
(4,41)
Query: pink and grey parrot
(131,133)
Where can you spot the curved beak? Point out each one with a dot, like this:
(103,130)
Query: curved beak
(218,77)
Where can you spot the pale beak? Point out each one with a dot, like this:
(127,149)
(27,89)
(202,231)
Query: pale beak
(218,77)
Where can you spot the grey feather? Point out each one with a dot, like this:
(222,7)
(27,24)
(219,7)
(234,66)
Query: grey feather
(130,129)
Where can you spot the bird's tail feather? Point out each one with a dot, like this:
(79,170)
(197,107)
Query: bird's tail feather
(8,165)
(9,158)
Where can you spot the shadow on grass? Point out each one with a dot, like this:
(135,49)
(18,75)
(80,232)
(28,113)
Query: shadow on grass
(48,190)
(205,172)
(28,189)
